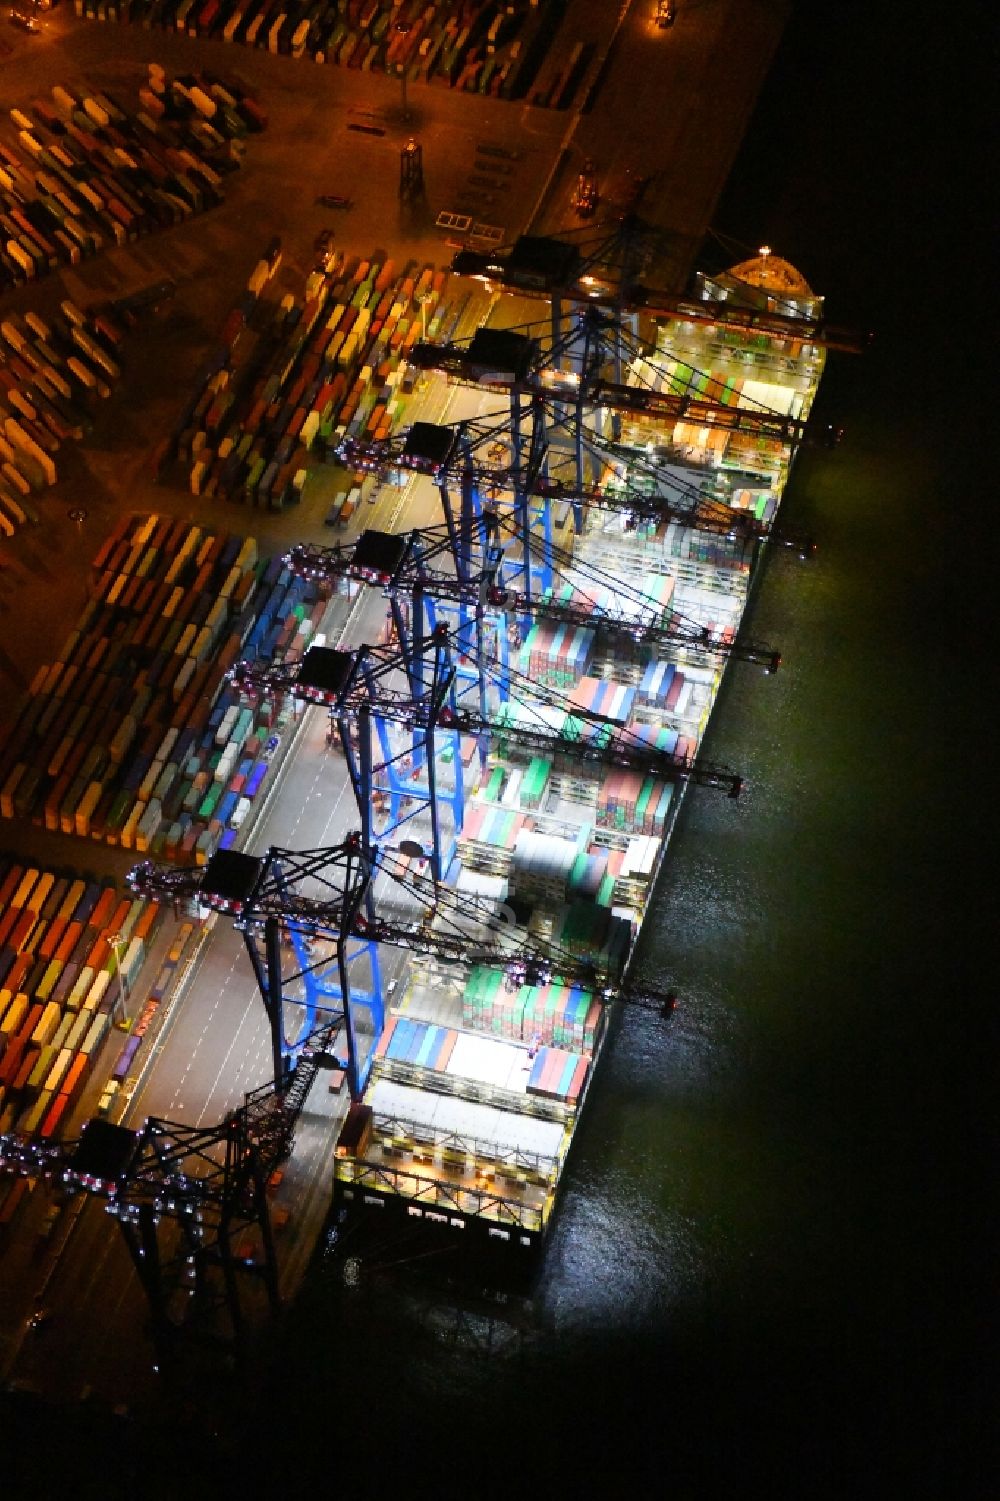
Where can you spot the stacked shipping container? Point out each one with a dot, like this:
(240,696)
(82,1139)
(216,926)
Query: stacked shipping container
(292,376)
(482,46)
(132,736)
(59,986)
(51,372)
(89,174)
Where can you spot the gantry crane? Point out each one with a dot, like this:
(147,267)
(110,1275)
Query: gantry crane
(303,992)
(374,687)
(461,460)
(604,272)
(413,912)
(186,1198)
(410,565)
(497,359)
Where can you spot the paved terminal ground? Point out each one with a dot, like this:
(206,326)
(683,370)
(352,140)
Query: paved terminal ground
(667,106)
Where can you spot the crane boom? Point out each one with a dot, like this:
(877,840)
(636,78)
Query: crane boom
(233,884)
(351,682)
(436,452)
(405,563)
(464,364)
(592,290)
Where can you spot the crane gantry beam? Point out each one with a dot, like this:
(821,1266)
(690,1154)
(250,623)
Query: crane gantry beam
(475,366)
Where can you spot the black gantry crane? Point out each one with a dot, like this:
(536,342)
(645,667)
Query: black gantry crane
(186,1198)
(604,270)
(276,897)
(410,565)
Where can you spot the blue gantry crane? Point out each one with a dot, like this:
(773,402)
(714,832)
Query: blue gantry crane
(385,695)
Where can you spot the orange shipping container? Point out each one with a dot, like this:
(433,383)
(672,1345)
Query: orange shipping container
(105,905)
(74,1074)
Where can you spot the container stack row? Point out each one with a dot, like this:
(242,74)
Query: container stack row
(554,1014)
(140,1024)
(556,656)
(296,375)
(420,1043)
(88,174)
(70,950)
(633,803)
(461,1061)
(557,1075)
(665,546)
(51,373)
(483,46)
(585,930)
(133,736)
(609,863)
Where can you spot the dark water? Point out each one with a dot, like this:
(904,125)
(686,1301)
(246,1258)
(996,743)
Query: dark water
(767,1261)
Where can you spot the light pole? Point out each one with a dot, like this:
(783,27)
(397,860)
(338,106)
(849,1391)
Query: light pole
(422,301)
(115,940)
(402,28)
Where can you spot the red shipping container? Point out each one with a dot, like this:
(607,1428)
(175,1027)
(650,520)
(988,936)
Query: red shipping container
(51,937)
(70,939)
(386,1037)
(21,932)
(9,885)
(103,908)
(27,1064)
(55,1115)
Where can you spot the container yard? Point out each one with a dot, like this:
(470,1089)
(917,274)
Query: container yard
(52,373)
(131,736)
(479,46)
(71,951)
(87,174)
(293,376)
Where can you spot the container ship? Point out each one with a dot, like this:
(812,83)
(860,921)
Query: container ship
(480,1072)
(508,850)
